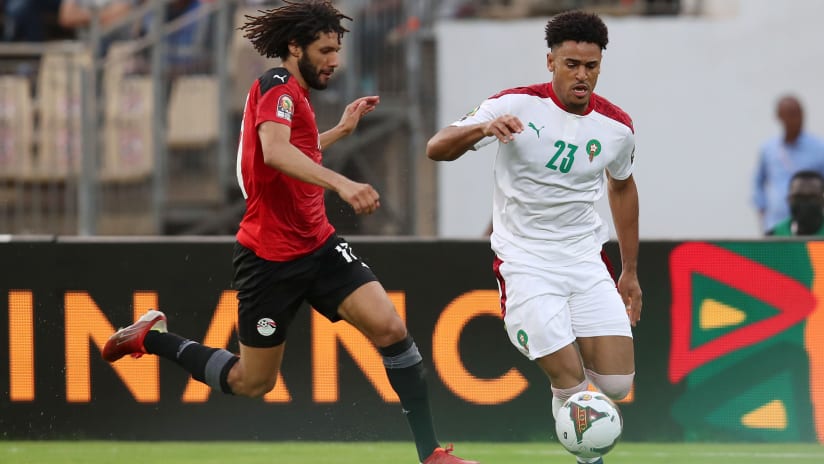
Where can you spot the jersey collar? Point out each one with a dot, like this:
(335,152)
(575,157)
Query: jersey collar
(551,91)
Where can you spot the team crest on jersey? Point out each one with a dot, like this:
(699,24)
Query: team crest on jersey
(471,113)
(285,107)
(593,149)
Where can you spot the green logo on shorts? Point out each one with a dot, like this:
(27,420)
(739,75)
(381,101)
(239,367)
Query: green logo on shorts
(523,339)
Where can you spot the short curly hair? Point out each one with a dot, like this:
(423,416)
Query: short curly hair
(578,26)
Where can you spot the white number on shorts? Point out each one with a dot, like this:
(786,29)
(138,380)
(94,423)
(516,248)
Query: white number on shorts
(344,251)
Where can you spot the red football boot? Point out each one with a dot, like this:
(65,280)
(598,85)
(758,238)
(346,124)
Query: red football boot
(129,340)
(445,456)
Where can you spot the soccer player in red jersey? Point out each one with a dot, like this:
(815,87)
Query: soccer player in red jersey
(287,252)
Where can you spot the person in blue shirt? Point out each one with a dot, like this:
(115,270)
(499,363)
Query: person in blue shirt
(782,156)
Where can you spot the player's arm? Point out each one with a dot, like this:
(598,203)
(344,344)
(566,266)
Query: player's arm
(280,154)
(451,142)
(623,201)
(352,115)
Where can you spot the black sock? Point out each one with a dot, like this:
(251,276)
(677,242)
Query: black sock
(163,344)
(410,384)
(208,365)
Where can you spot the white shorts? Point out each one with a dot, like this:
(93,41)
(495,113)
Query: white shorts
(546,309)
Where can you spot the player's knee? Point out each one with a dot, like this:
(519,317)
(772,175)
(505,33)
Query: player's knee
(393,332)
(251,384)
(615,386)
(263,388)
(255,388)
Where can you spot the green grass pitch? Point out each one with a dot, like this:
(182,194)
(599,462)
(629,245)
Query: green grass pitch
(103,452)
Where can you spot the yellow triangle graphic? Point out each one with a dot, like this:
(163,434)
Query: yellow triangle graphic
(714,315)
(772,415)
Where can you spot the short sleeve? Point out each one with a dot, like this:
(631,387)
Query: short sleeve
(621,167)
(278,105)
(484,113)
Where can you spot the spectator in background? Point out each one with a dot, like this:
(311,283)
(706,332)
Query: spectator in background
(30,20)
(22,21)
(77,15)
(781,157)
(806,204)
(187,47)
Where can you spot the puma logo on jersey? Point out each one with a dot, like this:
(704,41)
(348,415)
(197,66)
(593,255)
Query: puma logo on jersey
(537,131)
(282,78)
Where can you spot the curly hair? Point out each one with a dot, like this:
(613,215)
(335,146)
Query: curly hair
(298,22)
(577,26)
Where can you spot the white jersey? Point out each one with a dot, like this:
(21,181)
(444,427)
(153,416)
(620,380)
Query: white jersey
(548,179)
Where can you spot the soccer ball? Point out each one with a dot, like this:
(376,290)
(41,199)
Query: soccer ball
(588,424)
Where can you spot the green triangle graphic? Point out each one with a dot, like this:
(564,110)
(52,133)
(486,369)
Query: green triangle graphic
(704,288)
(778,387)
(713,408)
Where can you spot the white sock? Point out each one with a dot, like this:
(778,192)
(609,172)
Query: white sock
(560,395)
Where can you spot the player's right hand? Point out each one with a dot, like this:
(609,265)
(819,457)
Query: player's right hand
(504,128)
(362,197)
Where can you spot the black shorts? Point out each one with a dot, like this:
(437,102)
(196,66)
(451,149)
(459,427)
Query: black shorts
(271,293)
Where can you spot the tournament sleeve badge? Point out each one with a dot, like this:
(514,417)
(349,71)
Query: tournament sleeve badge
(286,107)
(471,113)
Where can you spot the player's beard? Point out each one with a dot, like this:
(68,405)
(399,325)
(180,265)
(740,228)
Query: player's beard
(310,73)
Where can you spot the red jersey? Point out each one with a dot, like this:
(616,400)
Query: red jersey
(285,218)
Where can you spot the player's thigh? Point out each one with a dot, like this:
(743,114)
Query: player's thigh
(600,321)
(348,289)
(269,296)
(257,368)
(563,367)
(370,311)
(608,355)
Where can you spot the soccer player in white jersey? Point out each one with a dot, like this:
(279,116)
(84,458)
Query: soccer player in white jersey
(559,146)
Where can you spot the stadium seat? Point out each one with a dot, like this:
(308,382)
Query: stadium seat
(119,63)
(128,151)
(16,127)
(192,112)
(59,105)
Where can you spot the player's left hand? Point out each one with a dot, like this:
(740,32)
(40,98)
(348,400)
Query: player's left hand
(354,111)
(630,291)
